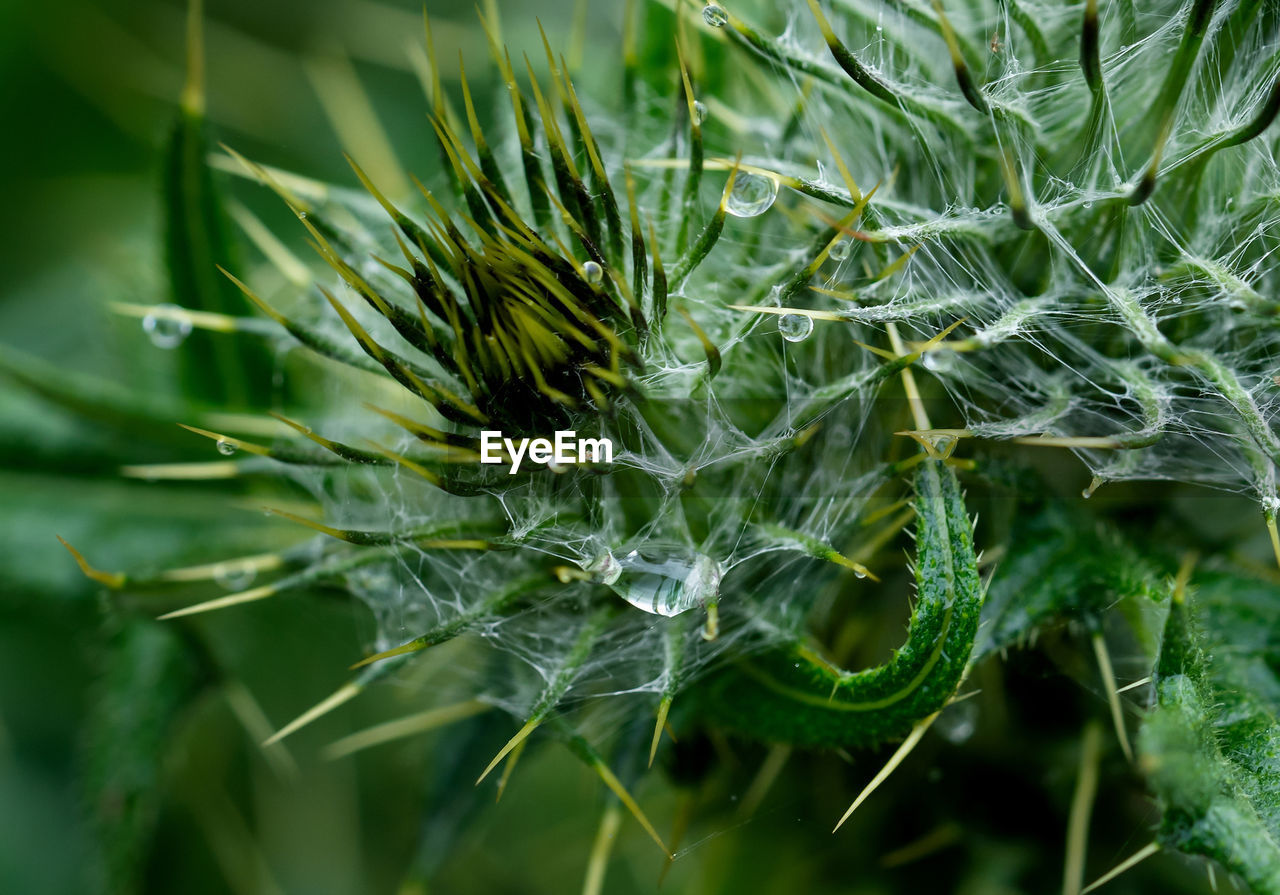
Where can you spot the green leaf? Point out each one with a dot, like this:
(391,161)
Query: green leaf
(149,678)
(1061,565)
(215,367)
(1211,749)
(793,695)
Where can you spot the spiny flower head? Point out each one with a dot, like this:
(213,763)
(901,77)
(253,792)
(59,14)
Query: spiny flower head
(1025,239)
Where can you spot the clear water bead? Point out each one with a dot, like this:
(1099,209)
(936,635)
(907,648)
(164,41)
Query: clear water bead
(231,576)
(226,447)
(699,111)
(593,273)
(715,15)
(669,583)
(958,721)
(164,330)
(795,327)
(841,250)
(604,568)
(939,361)
(752,194)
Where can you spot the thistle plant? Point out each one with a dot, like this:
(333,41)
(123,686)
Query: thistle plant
(827,279)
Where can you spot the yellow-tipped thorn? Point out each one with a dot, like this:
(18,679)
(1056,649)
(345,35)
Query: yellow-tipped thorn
(284,261)
(245,596)
(521,735)
(1113,696)
(1081,806)
(918,412)
(1275,536)
(890,766)
(1135,684)
(1085,442)
(508,768)
(801,312)
(412,646)
(663,708)
(684,815)
(113,580)
(250,715)
(253,297)
(614,784)
(236,443)
(184,472)
(934,841)
(315,526)
(1138,857)
(593,884)
(206,320)
(354,119)
(412,725)
(340,696)
(858,568)
(262,562)
(764,779)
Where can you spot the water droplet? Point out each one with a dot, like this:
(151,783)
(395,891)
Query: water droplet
(604,568)
(859,572)
(841,250)
(715,15)
(668,582)
(234,577)
(699,111)
(163,330)
(752,195)
(1094,485)
(958,721)
(593,273)
(795,327)
(939,361)
(226,447)
(1088,205)
(879,27)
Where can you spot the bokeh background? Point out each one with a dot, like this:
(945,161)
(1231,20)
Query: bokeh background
(89,97)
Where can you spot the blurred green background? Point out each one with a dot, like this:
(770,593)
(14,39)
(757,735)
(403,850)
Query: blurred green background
(90,95)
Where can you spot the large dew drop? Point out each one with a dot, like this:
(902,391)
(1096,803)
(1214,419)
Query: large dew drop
(752,194)
(940,361)
(715,15)
(165,330)
(795,327)
(669,583)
